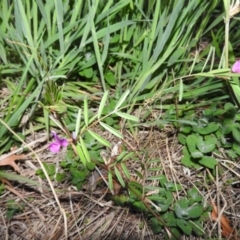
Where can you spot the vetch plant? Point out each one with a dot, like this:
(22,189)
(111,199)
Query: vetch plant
(58,143)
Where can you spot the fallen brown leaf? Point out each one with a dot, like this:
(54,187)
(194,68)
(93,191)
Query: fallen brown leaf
(10,160)
(227,230)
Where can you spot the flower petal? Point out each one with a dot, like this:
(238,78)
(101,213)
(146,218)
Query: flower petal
(63,142)
(56,137)
(236,67)
(54,147)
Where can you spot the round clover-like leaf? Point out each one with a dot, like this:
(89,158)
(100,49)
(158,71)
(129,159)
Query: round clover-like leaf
(206,146)
(195,211)
(208,162)
(185,227)
(156,228)
(210,128)
(196,154)
(236,134)
(184,211)
(194,194)
(180,208)
(191,142)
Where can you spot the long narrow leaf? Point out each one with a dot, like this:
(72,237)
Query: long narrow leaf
(86,111)
(81,154)
(99,139)
(122,99)
(111,130)
(78,122)
(85,151)
(16,177)
(125,170)
(102,103)
(119,176)
(127,116)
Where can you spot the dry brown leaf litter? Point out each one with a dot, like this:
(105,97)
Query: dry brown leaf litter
(90,215)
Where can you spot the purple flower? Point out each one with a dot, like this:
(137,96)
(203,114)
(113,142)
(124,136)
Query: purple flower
(58,143)
(236,67)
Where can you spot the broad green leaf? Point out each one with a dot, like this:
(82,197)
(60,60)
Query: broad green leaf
(170,219)
(210,128)
(184,226)
(111,130)
(208,162)
(197,227)
(110,78)
(194,194)
(191,143)
(236,134)
(173,187)
(155,226)
(120,200)
(184,211)
(236,148)
(195,211)
(162,180)
(206,146)
(139,205)
(181,138)
(196,154)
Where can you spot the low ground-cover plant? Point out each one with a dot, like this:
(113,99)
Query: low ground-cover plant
(183,216)
(75,61)
(216,127)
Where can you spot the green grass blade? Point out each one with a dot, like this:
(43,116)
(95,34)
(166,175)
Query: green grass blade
(59,11)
